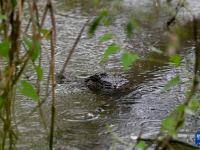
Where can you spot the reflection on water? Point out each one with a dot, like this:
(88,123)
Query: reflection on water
(78,124)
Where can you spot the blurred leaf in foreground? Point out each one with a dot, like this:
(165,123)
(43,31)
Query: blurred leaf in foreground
(39,72)
(128,59)
(176,59)
(94,25)
(2,17)
(110,50)
(4,48)
(37,48)
(156,50)
(173,82)
(1,101)
(141,145)
(132,25)
(27,90)
(44,31)
(105,38)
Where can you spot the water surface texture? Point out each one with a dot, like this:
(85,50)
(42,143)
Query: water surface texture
(78,124)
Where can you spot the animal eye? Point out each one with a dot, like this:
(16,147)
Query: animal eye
(94,79)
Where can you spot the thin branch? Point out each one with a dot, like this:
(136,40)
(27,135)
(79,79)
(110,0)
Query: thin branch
(46,34)
(178,7)
(5,122)
(53,95)
(52,19)
(77,40)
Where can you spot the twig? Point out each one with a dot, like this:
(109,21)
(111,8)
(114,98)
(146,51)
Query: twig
(53,95)
(77,39)
(5,121)
(47,33)
(177,10)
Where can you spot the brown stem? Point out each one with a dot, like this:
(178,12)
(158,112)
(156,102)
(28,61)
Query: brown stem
(53,95)
(49,4)
(46,34)
(42,22)
(178,7)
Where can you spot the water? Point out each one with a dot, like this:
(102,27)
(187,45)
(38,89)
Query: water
(78,124)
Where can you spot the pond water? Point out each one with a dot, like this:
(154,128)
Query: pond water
(78,125)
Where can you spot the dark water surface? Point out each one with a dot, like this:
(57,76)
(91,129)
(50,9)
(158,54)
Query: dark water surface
(78,126)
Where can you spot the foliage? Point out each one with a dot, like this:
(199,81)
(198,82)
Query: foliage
(39,72)
(112,48)
(17,55)
(28,90)
(4,48)
(44,31)
(176,120)
(131,26)
(34,52)
(173,82)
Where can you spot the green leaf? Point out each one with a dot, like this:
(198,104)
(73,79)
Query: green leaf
(141,145)
(105,38)
(37,48)
(168,123)
(28,90)
(128,59)
(110,50)
(29,44)
(104,12)
(39,72)
(4,48)
(179,109)
(156,50)
(1,101)
(195,104)
(189,111)
(35,18)
(187,93)
(44,31)
(174,134)
(36,52)
(176,59)
(94,25)
(173,82)
(14,2)
(132,24)
(3,17)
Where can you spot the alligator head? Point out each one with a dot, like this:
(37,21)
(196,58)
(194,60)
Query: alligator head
(105,81)
(100,82)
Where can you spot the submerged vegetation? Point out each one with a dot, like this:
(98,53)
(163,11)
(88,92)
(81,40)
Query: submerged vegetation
(22,34)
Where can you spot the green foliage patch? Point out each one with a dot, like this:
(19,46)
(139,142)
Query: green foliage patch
(173,82)
(36,50)
(112,48)
(27,90)
(128,59)
(39,72)
(4,48)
